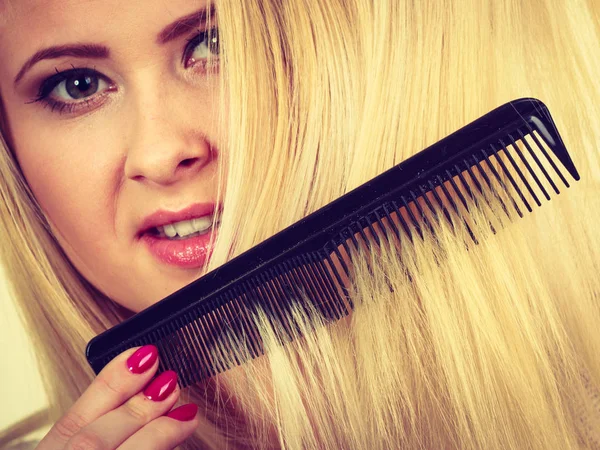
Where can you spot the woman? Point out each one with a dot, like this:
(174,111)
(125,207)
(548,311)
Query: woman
(124,121)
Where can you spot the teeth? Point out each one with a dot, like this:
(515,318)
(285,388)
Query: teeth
(202,224)
(169,230)
(186,227)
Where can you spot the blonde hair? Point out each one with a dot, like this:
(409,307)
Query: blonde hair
(493,347)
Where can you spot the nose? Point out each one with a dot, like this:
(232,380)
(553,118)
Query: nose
(163,150)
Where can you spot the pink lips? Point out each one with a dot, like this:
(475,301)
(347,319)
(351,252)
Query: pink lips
(189,253)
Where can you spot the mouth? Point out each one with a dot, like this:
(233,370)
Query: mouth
(186,229)
(183,239)
(195,220)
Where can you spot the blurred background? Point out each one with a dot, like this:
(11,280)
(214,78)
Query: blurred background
(21,391)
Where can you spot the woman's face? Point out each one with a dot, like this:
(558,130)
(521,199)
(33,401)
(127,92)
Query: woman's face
(112,116)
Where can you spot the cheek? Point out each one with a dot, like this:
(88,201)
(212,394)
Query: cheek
(70,177)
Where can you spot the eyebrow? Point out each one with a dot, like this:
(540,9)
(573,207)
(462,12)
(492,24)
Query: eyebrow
(79,51)
(185,24)
(94,51)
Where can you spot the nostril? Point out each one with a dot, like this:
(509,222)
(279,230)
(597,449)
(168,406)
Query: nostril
(188,162)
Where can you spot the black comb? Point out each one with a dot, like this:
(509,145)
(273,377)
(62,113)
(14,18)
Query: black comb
(515,148)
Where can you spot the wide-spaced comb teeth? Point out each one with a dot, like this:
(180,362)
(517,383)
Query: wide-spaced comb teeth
(511,156)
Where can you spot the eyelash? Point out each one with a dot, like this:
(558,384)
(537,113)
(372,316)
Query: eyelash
(50,84)
(200,37)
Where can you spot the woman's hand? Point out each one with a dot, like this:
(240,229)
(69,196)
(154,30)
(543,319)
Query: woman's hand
(125,408)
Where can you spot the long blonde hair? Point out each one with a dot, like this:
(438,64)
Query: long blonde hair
(492,348)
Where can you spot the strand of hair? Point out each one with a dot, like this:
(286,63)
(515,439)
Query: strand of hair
(500,181)
(510,178)
(411,216)
(381,226)
(440,203)
(401,220)
(419,208)
(269,300)
(454,205)
(458,191)
(374,234)
(332,269)
(310,284)
(207,323)
(330,303)
(198,342)
(321,301)
(195,341)
(340,300)
(236,316)
(278,311)
(198,326)
(291,291)
(249,310)
(532,153)
(218,355)
(545,153)
(429,204)
(519,173)
(298,296)
(476,201)
(490,187)
(351,233)
(323,279)
(361,231)
(391,223)
(346,250)
(191,357)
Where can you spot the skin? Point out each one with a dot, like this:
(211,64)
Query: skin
(114,413)
(146,141)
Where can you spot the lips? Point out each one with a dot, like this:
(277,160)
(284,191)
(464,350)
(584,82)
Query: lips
(163,217)
(187,253)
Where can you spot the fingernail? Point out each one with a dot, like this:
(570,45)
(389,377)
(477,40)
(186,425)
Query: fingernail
(184,413)
(162,386)
(142,359)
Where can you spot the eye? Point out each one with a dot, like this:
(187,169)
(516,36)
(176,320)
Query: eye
(76,90)
(79,86)
(75,84)
(203,47)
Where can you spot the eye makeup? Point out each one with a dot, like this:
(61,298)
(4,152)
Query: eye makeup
(209,39)
(86,88)
(83,89)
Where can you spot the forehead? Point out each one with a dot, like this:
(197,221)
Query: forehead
(28,25)
(63,16)
(5,12)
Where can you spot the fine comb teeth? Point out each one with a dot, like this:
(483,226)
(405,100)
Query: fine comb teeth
(512,153)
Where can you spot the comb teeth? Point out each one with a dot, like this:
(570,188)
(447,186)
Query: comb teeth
(512,157)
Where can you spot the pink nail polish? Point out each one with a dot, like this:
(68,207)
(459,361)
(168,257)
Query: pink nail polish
(184,413)
(162,386)
(143,359)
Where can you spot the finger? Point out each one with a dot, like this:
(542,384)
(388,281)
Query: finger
(167,432)
(123,377)
(113,428)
